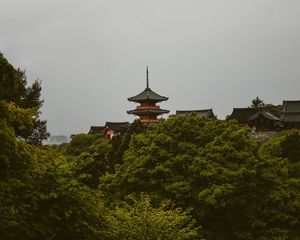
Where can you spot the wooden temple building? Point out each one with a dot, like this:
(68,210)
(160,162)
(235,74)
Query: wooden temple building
(207,114)
(291,114)
(261,119)
(148,110)
(111,129)
(96,130)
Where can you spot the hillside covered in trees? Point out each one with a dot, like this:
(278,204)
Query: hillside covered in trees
(182,179)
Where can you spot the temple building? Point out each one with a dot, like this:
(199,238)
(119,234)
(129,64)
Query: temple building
(291,114)
(207,114)
(259,118)
(112,129)
(96,130)
(148,110)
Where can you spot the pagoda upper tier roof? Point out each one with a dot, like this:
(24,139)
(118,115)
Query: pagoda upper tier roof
(148,95)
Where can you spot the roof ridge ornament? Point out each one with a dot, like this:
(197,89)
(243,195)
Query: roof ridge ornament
(147,77)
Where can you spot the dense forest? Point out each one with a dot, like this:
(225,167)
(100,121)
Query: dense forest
(184,178)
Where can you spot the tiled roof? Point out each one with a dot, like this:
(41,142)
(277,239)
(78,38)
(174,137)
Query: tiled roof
(291,111)
(250,114)
(96,129)
(149,95)
(206,113)
(265,114)
(291,106)
(117,126)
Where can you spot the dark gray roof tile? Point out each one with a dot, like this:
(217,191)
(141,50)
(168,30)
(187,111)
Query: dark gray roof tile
(291,106)
(96,129)
(244,115)
(291,111)
(206,113)
(149,95)
(117,126)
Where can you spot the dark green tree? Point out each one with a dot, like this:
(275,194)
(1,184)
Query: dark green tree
(257,103)
(42,195)
(121,143)
(14,88)
(285,198)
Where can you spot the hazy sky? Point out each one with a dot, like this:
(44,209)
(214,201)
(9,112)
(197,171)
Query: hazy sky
(91,55)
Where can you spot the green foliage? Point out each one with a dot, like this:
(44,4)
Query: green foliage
(284,145)
(12,82)
(90,152)
(121,143)
(81,143)
(282,152)
(213,168)
(49,202)
(42,195)
(13,154)
(96,154)
(141,221)
(257,102)
(18,118)
(13,88)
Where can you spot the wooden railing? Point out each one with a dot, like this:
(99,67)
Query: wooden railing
(147,107)
(149,120)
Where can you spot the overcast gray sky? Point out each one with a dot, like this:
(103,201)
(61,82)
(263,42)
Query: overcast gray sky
(91,55)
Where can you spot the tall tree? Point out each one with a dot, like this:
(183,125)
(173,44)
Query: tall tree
(257,102)
(42,195)
(14,88)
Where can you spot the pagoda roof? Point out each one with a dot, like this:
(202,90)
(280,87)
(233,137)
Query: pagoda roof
(250,114)
(148,111)
(206,113)
(147,94)
(291,111)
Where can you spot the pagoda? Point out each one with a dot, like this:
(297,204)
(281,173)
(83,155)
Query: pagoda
(148,110)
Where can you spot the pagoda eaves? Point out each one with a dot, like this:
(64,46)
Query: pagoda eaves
(148,95)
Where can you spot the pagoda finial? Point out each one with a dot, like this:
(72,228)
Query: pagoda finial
(147,78)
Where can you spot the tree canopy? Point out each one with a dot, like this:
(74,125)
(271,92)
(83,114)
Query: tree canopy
(213,168)
(14,88)
(141,221)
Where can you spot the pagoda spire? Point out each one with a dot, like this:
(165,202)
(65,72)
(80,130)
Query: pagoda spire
(147,77)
